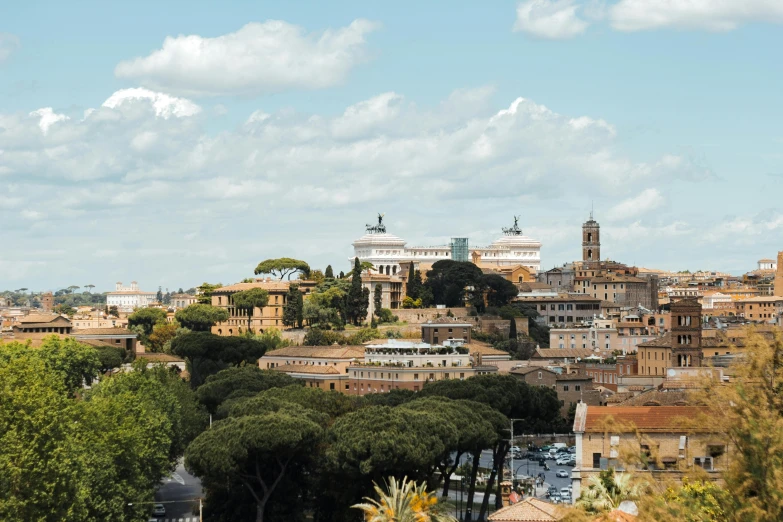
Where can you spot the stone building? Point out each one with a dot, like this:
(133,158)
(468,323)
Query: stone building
(668,441)
(270,315)
(392,291)
(324,367)
(387,252)
(127,299)
(445,329)
(47,302)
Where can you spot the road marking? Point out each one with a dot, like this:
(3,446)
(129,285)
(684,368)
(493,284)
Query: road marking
(178,478)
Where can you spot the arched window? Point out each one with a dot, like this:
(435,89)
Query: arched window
(589,254)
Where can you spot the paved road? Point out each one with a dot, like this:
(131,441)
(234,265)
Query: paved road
(180,489)
(528,467)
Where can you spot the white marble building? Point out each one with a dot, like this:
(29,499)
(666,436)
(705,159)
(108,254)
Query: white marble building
(126,299)
(386,251)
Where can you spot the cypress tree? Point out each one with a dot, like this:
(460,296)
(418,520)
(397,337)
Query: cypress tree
(292,311)
(329,273)
(409,287)
(512,330)
(353,308)
(377,299)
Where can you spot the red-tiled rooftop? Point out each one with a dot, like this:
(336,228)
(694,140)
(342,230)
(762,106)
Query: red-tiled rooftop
(644,418)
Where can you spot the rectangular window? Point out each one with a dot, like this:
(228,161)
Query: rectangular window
(565,387)
(415,376)
(577,387)
(596,460)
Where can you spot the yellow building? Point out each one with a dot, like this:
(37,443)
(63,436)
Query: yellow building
(323,367)
(270,315)
(760,309)
(666,441)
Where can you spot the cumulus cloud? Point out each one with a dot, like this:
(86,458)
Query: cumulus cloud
(638,205)
(47,118)
(259,58)
(711,15)
(147,159)
(9,43)
(165,106)
(550,19)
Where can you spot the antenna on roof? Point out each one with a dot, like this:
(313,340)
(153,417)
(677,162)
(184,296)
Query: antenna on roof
(592,205)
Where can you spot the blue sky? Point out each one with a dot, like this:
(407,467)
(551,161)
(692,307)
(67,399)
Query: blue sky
(284,138)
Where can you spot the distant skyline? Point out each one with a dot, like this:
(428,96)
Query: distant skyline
(181,143)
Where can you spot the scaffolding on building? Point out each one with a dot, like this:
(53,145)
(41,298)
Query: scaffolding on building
(459,249)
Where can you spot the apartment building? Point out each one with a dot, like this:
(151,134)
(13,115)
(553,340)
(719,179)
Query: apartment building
(763,309)
(323,367)
(262,318)
(666,441)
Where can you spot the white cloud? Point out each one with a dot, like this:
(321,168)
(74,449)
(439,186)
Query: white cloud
(47,118)
(633,207)
(258,58)
(550,19)
(9,43)
(712,15)
(283,174)
(165,106)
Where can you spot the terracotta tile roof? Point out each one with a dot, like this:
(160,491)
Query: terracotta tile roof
(573,377)
(644,418)
(667,398)
(528,369)
(307,368)
(266,285)
(664,341)
(38,318)
(319,352)
(530,509)
(484,349)
(158,357)
(560,353)
(101,331)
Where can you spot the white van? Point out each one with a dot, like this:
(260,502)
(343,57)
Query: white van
(559,445)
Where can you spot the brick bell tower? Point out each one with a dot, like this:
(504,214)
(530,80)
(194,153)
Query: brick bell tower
(686,333)
(591,243)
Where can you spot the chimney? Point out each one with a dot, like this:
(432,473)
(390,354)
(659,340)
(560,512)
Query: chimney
(505,492)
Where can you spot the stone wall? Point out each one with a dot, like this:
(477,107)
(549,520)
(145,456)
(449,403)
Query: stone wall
(422,315)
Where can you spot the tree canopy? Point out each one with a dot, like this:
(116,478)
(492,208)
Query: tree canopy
(147,318)
(282,267)
(201,317)
(207,354)
(249,300)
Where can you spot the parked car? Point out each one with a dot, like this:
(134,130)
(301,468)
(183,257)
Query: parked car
(551,456)
(159,510)
(571,462)
(533,456)
(562,473)
(572,449)
(516,449)
(551,491)
(555,499)
(563,461)
(565,492)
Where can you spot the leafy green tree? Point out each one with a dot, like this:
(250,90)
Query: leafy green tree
(238,382)
(255,450)
(89,288)
(317,276)
(207,354)
(167,297)
(499,290)
(450,282)
(201,317)
(293,310)
(110,357)
(329,273)
(249,300)
(404,501)
(205,292)
(39,463)
(113,311)
(378,441)
(537,409)
(282,267)
(147,318)
(355,301)
(377,295)
(162,334)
